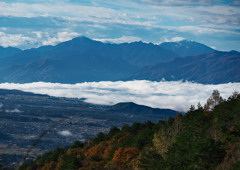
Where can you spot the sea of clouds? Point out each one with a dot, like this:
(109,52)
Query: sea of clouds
(175,95)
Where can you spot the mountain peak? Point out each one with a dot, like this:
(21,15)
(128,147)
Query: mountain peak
(186,47)
(82,37)
(124,105)
(234,52)
(8,51)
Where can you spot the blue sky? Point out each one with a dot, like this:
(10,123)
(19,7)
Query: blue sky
(32,23)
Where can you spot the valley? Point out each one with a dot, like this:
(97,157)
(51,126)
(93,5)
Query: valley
(32,124)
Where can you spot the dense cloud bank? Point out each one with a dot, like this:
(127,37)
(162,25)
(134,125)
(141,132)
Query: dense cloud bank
(175,95)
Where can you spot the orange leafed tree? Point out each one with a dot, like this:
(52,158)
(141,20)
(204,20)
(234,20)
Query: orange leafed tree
(107,149)
(75,151)
(102,150)
(96,150)
(124,157)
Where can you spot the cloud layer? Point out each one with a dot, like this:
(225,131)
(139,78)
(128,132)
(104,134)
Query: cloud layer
(65,133)
(175,95)
(13,111)
(123,39)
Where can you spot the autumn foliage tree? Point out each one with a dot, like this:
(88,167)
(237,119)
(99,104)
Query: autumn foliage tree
(124,158)
(166,136)
(204,138)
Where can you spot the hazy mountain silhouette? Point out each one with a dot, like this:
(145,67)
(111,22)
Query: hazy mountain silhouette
(8,51)
(215,67)
(82,59)
(134,108)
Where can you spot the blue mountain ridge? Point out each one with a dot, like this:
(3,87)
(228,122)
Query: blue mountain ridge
(82,59)
(214,68)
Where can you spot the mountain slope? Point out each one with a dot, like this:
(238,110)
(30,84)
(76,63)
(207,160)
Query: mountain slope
(186,48)
(139,109)
(142,54)
(69,70)
(215,67)
(8,51)
(79,60)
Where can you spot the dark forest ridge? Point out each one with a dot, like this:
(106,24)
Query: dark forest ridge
(204,138)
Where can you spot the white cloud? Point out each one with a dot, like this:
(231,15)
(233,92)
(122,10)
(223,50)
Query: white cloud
(14,40)
(71,12)
(60,37)
(13,111)
(191,2)
(122,39)
(121,13)
(178,2)
(38,34)
(215,16)
(123,17)
(128,12)
(213,47)
(174,39)
(65,133)
(35,38)
(198,30)
(175,95)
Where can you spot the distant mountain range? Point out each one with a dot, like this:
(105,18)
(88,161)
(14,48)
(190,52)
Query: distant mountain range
(214,67)
(82,59)
(79,60)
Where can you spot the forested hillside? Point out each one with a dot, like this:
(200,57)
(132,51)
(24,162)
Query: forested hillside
(206,137)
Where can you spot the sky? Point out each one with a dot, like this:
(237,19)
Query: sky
(33,23)
(176,95)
